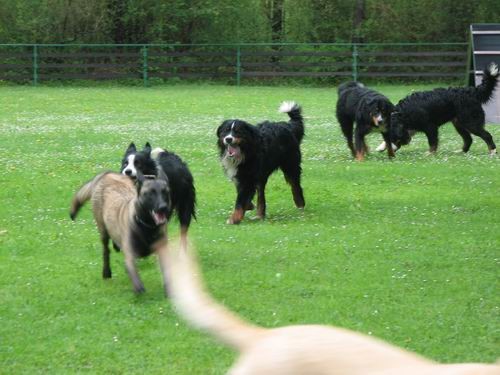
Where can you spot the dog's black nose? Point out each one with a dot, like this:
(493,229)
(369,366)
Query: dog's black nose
(229,140)
(128,172)
(162,208)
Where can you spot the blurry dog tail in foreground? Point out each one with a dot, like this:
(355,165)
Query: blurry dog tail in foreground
(294,111)
(185,288)
(83,195)
(300,349)
(484,91)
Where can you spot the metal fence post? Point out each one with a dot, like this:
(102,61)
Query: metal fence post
(145,65)
(355,62)
(35,65)
(170,65)
(238,65)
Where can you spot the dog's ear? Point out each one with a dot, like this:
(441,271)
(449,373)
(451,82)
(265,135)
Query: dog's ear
(222,126)
(372,105)
(370,101)
(131,148)
(250,136)
(160,174)
(147,148)
(389,107)
(219,130)
(139,181)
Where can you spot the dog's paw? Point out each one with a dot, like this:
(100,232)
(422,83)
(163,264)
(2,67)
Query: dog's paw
(139,289)
(237,216)
(493,152)
(106,274)
(381,147)
(232,221)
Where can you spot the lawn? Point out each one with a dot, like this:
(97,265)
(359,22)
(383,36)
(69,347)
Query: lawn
(406,250)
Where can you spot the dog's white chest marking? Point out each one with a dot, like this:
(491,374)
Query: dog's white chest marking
(230,163)
(230,166)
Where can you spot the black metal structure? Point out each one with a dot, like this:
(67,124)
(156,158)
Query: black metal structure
(484,48)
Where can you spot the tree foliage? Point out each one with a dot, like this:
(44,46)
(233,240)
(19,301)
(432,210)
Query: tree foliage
(224,21)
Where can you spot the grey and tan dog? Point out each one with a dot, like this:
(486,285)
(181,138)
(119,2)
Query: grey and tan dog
(293,350)
(133,218)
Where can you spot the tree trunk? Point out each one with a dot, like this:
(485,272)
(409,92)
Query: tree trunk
(359,17)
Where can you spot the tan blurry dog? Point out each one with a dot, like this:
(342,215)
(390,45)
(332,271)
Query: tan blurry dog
(133,218)
(293,350)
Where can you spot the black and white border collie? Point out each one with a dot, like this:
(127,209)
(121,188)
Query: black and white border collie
(250,154)
(172,168)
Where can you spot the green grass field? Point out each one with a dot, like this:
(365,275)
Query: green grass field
(406,250)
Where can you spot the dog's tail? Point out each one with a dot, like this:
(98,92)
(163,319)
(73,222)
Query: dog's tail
(156,153)
(185,288)
(484,91)
(296,120)
(83,195)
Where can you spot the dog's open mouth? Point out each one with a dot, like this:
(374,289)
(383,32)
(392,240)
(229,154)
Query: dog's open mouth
(159,218)
(232,151)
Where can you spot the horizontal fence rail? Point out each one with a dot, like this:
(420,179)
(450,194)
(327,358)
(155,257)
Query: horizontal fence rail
(37,63)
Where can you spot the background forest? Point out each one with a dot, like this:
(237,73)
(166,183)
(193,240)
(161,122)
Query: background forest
(226,21)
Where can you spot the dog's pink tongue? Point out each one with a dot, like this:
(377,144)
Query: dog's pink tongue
(159,217)
(231,150)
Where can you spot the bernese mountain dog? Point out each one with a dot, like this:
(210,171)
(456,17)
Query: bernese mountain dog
(370,110)
(173,169)
(250,154)
(426,111)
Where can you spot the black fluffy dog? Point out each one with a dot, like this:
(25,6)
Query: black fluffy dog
(179,178)
(249,154)
(370,110)
(426,111)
